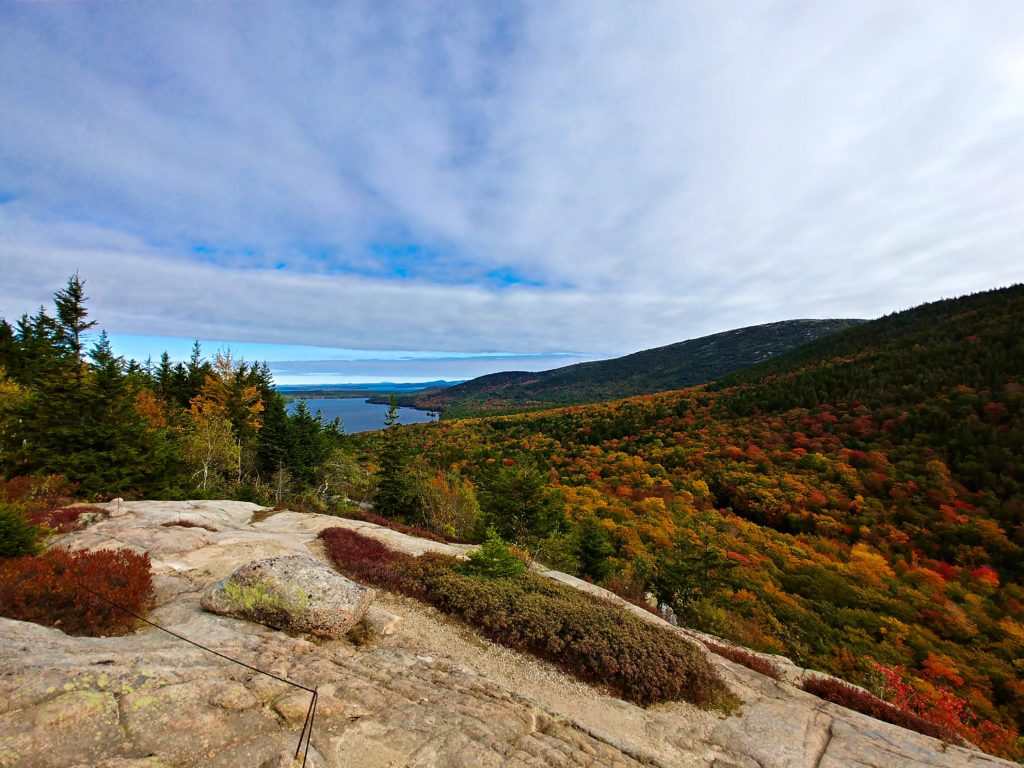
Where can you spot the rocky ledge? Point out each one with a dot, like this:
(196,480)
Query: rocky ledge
(426,692)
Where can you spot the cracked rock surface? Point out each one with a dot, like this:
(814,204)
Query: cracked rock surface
(427,693)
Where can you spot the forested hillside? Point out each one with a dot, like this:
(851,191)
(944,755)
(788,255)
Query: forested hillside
(855,504)
(653,370)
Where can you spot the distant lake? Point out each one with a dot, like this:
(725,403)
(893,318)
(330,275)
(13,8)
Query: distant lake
(358,415)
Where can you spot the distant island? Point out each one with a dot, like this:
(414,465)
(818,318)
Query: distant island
(382,389)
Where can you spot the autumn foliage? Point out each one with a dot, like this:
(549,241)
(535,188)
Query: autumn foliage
(866,703)
(858,500)
(71,590)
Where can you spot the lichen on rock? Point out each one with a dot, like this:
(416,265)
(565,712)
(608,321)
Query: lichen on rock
(294,593)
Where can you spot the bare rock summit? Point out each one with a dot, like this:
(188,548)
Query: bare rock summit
(425,692)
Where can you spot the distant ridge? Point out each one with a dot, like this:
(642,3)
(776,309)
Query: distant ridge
(314,391)
(675,366)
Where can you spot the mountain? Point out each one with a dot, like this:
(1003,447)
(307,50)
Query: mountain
(856,503)
(653,370)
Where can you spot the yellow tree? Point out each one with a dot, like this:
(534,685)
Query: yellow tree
(223,417)
(10,395)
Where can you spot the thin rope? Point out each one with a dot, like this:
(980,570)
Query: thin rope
(306,734)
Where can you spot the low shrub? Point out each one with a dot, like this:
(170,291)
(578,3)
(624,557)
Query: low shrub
(29,492)
(592,639)
(866,703)
(493,560)
(51,589)
(394,525)
(631,592)
(745,658)
(18,535)
(364,559)
(62,519)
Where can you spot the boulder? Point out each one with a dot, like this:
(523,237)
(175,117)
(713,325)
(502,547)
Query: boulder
(294,592)
(374,625)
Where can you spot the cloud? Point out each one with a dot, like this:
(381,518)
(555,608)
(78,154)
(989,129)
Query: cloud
(531,179)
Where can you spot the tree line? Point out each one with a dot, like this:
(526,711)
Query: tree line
(206,427)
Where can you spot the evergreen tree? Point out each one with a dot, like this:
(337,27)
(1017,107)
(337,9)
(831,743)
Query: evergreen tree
(695,568)
(81,423)
(593,548)
(396,490)
(493,560)
(72,314)
(517,501)
(163,377)
(272,442)
(197,370)
(8,347)
(310,441)
(18,537)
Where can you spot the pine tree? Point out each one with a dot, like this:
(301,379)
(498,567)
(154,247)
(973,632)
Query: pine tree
(396,492)
(72,314)
(164,377)
(80,421)
(8,347)
(309,443)
(593,548)
(518,503)
(197,371)
(272,441)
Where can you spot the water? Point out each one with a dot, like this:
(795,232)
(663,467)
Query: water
(361,416)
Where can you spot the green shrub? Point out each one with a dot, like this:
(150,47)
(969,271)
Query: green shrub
(594,640)
(18,536)
(493,560)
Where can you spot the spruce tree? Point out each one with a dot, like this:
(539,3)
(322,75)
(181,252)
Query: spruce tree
(8,347)
(310,441)
(593,548)
(396,491)
(272,441)
(517,501)
(163,377)
(72,314)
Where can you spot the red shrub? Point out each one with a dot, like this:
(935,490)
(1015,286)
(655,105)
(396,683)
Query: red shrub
(54,589)
(745,658)
(47,492)
(364,559)
(848,696)
(944,708)
(62,519)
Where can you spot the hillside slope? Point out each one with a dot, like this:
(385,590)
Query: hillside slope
(430,694)
(653,370)
(857,503)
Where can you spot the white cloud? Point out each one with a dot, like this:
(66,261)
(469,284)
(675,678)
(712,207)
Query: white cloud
(662,171)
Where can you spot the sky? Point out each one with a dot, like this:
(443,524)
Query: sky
(435,190)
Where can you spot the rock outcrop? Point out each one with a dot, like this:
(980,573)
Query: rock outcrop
(431,693)
(295,593)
